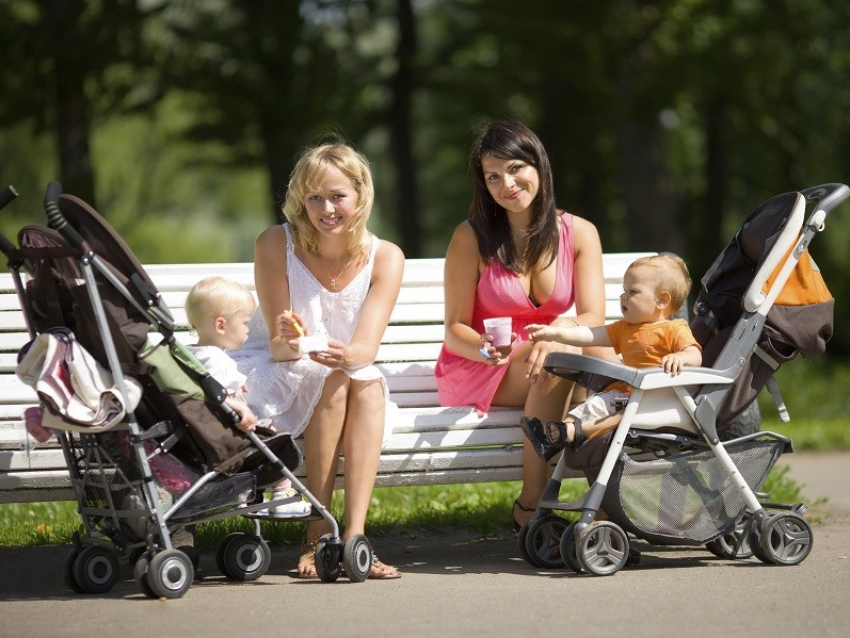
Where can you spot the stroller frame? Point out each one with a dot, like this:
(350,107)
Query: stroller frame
(601,547)
(94,463)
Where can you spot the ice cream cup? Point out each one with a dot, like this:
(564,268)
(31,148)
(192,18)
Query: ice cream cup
(500,329)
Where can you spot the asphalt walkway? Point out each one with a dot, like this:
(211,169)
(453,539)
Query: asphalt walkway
(455,584)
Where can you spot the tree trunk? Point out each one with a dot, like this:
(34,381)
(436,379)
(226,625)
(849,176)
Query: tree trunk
(708,234)
(73,119)
(401,134)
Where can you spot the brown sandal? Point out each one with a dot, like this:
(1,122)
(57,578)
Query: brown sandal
(307,560)
(382,571)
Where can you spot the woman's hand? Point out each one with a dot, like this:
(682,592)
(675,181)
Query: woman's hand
(537,357)
(492,355)
(290,326)
(338,355)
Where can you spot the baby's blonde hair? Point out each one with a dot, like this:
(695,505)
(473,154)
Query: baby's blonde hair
(671,275)
(216,297)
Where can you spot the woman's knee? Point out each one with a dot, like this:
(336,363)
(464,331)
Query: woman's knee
(368,394)
(336,390)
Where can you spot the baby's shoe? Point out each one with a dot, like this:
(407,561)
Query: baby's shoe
(289,505)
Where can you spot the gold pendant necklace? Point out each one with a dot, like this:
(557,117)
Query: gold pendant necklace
(338,275)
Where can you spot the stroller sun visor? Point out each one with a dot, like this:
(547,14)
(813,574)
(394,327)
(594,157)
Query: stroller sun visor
(770,249)
(804,285)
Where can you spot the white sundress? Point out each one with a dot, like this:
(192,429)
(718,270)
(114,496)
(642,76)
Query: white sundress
(288,391)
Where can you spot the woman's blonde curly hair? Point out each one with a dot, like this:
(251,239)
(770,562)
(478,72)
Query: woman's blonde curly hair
(305,178)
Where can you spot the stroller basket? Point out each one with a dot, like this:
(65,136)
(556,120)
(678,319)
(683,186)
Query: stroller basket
(109,479)
(689,496)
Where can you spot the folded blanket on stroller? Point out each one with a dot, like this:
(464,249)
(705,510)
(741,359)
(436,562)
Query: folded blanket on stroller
(75,389)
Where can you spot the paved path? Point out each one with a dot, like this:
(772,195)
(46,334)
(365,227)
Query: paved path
(459,585)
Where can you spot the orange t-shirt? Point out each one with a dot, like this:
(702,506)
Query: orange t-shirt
(644,344)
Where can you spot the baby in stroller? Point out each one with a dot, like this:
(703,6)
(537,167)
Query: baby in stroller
(219,311)
(654,288)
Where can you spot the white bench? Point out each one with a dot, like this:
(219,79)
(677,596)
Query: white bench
(430,444)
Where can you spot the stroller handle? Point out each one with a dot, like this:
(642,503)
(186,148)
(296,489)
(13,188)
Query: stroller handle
(55,219)
(830,195)
(6,197)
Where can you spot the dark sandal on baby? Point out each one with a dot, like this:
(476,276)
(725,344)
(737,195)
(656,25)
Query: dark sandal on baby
(550,439)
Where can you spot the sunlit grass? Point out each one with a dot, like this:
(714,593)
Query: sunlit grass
(482,509)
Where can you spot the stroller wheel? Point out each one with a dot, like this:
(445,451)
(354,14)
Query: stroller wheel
(543,540)
(520,541)
(602,548)
(568,549)
(140,575)
(96,569)
(785,539)
(357,558)
(735,544)
(71,580)
(221,549)
(195,557)
(170,574)
(246,557)
(328,555)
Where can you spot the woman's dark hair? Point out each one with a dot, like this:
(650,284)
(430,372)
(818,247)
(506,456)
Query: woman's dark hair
(513,140)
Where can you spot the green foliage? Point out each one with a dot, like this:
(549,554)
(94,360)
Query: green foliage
(37,523)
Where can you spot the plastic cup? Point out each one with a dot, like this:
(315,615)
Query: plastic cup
(500,329)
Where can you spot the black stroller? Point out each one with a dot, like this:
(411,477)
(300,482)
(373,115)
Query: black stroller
(146,433)
(690,477)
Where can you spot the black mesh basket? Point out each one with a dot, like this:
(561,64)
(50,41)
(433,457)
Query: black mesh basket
(689,497)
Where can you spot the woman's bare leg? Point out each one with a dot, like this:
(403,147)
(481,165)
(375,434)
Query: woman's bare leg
(322,440)
(362,439)
(548,402)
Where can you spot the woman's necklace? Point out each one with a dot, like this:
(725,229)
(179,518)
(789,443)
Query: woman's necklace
(338,275)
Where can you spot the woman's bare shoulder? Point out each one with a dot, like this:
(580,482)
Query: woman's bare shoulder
(272,235)
(584,231)
(388,250)
(464,237)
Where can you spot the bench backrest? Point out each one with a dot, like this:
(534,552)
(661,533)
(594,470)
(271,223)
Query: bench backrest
(407,355)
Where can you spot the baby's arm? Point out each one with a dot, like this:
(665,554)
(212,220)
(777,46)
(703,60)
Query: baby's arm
(248,421)
(675,361)
(571,335)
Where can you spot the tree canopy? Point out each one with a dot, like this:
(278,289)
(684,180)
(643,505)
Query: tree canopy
(667,122)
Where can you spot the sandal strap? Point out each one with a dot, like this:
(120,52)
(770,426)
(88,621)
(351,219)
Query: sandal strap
(523,507)
(308,547)
(578,435)
(561,428)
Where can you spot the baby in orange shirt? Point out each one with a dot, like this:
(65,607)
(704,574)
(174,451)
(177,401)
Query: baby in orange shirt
(653,289)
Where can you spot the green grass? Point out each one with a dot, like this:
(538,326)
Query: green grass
(482,509)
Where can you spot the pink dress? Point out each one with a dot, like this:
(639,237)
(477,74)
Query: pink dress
(499,293)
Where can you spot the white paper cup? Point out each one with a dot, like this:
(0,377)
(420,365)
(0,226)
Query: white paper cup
(500,329)
(312,343)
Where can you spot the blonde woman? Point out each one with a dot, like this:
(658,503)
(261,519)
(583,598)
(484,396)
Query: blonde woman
(323,274)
